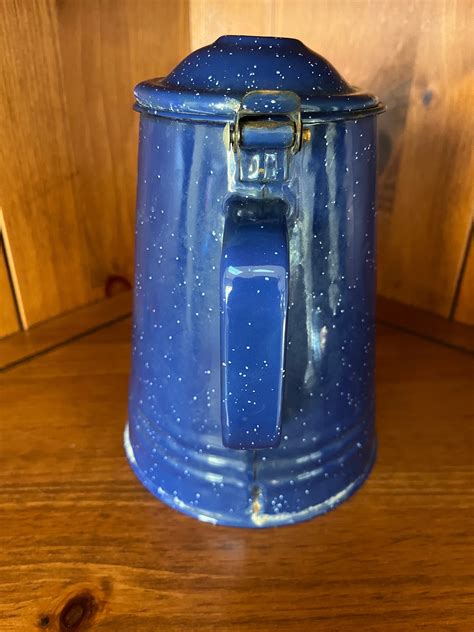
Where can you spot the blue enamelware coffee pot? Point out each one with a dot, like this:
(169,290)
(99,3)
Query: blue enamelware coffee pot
(252,389)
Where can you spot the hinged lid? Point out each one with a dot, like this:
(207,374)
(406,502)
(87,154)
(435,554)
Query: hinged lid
(212,81)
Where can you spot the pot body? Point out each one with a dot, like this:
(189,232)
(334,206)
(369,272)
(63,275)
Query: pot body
(174,435)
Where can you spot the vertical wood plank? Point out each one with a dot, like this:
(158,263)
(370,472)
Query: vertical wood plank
(423,244)
(464,308)
(68,138)
(210,19)
(107,47)
(9,322)
(38,172)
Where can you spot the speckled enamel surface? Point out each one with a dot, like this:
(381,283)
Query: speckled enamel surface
(187,175)
(211,81)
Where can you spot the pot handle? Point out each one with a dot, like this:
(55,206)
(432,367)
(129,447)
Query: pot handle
(254,301)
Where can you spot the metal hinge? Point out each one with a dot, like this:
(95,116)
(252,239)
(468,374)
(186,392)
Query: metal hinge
(266,132)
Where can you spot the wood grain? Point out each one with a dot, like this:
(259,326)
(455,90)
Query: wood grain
(68,139)
(9,322)
(107,47)
(36,162)
(424,324)
(422,249)
(84,546)
(209,19)
(66,327)
(464,309)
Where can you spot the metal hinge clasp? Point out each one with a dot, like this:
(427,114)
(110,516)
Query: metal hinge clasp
(266,132)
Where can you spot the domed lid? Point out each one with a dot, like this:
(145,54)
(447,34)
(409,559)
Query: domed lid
(211,82)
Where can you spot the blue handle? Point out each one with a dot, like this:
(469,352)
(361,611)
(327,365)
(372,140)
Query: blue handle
(254,301)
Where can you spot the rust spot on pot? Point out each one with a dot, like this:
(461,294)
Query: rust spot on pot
(256,506)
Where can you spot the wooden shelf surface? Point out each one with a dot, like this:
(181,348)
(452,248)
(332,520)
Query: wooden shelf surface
(84,546)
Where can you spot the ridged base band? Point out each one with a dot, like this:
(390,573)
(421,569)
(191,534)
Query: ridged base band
(259,520)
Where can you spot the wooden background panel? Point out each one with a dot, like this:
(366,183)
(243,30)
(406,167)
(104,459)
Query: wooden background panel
(422,248)
(464,308)
(209,19)
(417,57)
(107,47)
(37,183)
(9,322)
(68,159)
